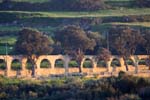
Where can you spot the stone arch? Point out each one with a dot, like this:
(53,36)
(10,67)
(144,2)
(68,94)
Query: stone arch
(3,64)
(59,63)
(73,64)
(115,63)
(45,63)
(87,63)
(16,65)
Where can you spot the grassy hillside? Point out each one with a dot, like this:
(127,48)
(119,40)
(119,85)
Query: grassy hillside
(122,12)
(101,13)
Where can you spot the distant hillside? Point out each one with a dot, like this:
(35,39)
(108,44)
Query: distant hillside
(41,15)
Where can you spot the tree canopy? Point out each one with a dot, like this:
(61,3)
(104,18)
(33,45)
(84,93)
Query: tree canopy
(32,43)
(125,40)
(75,42)
(73,38)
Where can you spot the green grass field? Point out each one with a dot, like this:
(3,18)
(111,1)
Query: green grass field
(101,13)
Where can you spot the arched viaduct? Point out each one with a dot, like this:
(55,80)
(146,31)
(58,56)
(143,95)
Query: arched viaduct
(24,72)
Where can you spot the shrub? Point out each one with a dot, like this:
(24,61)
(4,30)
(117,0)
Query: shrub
(144,93)
(53,5)
(143,3)
(121,74)
(3,96)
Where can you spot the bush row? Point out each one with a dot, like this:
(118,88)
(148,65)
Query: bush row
(123,87)
(54,5)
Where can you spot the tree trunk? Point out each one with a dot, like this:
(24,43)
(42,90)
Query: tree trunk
(136,64)
(80,57)
(80,69)
(149,62)
(125,63)
(33,67)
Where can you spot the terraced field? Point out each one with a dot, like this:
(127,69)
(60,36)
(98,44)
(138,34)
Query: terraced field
(49,21)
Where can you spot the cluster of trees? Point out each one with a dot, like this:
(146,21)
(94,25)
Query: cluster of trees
(74,5)
(127,41)
(123,87)
(143,3)
(61,5)
(74,41)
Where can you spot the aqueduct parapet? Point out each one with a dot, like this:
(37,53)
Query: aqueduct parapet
(66,59)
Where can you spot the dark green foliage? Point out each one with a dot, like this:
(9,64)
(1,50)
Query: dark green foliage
(143,3)
(2,65)
(45,64)
(55,5)
(103,54)
(16,65)
(75,41)
(145,93)
(31,44)
(73,37)
(59,64)
(124,87)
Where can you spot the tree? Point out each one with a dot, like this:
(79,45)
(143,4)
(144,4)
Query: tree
(104,54)
(32,43)
(78,5)
(125,40)
(99,39)
(143,3)
(75,42)
(147,45)
(89,5)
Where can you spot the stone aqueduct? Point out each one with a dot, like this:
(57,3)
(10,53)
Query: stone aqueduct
(24,72)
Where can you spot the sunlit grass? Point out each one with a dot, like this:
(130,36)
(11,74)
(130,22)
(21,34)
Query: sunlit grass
(63,14)
(32,1)
(8,39)
(143,24)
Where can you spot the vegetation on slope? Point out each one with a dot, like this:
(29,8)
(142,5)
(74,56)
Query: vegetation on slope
(124,87)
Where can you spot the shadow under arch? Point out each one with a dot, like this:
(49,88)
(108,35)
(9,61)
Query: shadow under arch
(142,61)
(45,63)
(16,65)
(115,63)
(59,63)
(88,63)
(2,64)
(101,64)
(130,61)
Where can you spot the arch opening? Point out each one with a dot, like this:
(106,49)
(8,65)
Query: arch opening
(16,65)
(87,63)
(101,64)
(45,64)
(115,63)
(2,64)
(130,62)
(142,62)
(59,63)
(73,64)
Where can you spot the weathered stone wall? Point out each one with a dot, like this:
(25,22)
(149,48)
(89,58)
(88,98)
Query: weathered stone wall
(66,59)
